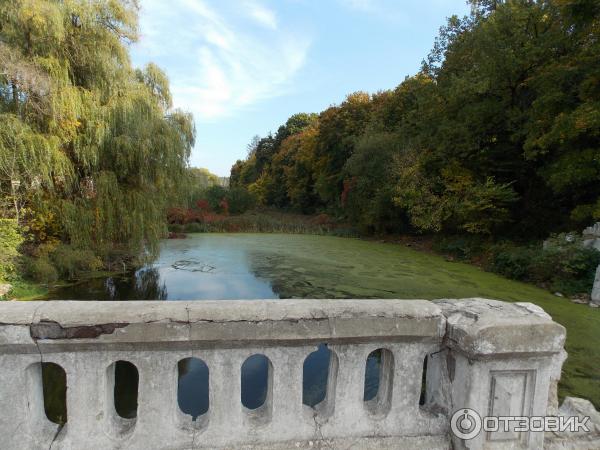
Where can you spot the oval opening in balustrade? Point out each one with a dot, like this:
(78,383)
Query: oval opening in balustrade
(372,373)
(125,392)
(423,397)
(54,382)
(192,387)
(318,378)
(256,373)
(379,377)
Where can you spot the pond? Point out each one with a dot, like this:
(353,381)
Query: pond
(269,266)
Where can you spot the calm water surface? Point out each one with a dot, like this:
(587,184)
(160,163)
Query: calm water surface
(267,266)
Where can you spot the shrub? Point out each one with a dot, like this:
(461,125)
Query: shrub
(214,195)
(563,264)
(461,247)
(513,262)
(569,269)
(203,205)
(194,228)
(71,262)
(344,232)
(323,219)
(10,240)
(176,228)
(183,215)
(176,216)
(235,200)
(41,270)
(224,206)
(240,200)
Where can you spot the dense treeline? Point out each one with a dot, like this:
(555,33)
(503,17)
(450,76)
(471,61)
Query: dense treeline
(91,151)
(498,134)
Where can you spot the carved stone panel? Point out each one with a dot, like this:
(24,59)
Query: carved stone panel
(511,395)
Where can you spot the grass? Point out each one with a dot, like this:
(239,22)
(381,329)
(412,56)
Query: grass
(26,290)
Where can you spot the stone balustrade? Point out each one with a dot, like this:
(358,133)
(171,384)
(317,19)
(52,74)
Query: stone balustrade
(494,357)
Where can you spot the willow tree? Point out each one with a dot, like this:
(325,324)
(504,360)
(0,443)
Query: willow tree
(82,133)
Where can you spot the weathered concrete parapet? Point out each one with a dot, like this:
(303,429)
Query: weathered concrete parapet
(501,359)
(86,338)
(576,407)
(490,356)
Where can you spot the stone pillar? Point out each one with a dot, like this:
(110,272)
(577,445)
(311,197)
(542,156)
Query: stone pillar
(595,299)
(86,399)
(347,405)
(23,421)
(408,375)
(226,420)
(591,239)
(158,413)
(501,361)
(288,410)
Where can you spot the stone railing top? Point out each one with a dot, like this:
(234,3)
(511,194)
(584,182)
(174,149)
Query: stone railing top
(74,313)
(482,327)
(210,322)
(477,327)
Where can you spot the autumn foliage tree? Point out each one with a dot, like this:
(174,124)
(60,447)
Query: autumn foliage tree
(497,134)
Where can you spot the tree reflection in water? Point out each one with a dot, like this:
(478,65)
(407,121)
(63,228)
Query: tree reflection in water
(143,284)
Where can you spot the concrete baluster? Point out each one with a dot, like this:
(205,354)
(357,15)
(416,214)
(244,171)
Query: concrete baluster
(289,420)
(86,398)
(158,412)
(348,396)
(225,414)
(408,376)
(22,417)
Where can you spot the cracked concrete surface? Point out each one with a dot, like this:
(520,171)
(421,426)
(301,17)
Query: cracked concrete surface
(53,330)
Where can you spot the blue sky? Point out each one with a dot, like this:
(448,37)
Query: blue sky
(242,67)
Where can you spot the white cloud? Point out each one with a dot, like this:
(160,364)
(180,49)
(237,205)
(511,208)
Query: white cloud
(217,63)
(263,16)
